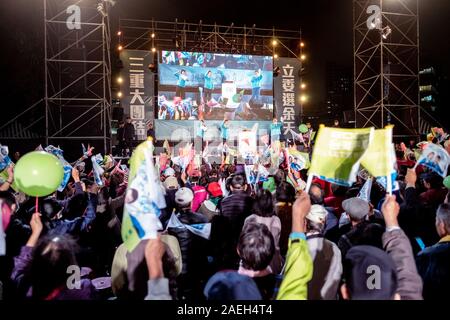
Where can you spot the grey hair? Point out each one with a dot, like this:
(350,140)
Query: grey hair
(443,215)
(315,226)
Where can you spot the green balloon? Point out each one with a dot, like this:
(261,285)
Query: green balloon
(447,182)
(269,184)
(303,128)
(38,173)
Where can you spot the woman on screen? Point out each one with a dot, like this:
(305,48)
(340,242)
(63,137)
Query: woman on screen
(224,131)
(256,85)
(209,86)
(181,83)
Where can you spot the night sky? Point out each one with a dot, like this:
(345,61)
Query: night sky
(326,27)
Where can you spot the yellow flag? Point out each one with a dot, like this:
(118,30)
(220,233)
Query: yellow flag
(378,159)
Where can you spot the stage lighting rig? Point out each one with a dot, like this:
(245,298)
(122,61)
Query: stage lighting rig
(101,9)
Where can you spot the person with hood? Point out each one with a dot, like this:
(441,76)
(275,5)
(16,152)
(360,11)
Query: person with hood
(230,286)
(360,265)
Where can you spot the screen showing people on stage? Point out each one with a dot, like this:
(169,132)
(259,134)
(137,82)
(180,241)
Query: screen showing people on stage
(212,86)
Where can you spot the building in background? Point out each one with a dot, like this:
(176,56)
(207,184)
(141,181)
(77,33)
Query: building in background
(434,94)
(339,91)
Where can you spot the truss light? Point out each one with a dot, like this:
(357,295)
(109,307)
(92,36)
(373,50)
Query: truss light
(275,56)
(303,85)
(303,57)
(119,94)
(153,35)
(119,33)
(302,44)
(120,48)
(274,42)
(386,32)
(120,80)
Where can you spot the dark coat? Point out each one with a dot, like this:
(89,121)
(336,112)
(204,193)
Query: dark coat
(120,134)
(129,131)
(191,245)
(433,265)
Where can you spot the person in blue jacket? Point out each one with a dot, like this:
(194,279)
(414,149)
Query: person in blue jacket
(256,85)
(181,83)
(200,135)
(224,131)
(209,86)
(275,129)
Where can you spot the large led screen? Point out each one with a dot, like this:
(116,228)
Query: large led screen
(213,86)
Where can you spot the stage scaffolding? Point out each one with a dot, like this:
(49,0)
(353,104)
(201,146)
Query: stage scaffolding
(76,105)
(78,73)
(201,37)
(386,66)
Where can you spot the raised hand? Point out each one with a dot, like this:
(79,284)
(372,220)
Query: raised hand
(75,174)
(300,210)
(36,229)
(411,178)
(390,210)
(154,251)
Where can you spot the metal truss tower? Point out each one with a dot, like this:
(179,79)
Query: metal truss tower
(386,64)
(77,72)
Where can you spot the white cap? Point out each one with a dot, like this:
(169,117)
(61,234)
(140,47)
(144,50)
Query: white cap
(184,196)
(317,214)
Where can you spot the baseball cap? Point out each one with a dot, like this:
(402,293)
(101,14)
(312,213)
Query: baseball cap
(214,189)
(317,214)
(169,172)
(171,183)
(184,196)
(362,262)
(230,285)
(356,208)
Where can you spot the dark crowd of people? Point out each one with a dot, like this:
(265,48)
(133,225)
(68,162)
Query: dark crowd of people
(267,241)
